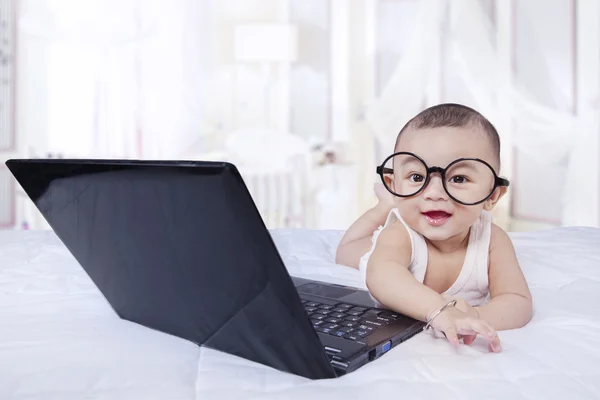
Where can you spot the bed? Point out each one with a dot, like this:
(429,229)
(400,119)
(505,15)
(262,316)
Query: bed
(59,338)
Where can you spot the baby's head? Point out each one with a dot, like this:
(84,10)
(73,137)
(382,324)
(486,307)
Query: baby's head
(464,143)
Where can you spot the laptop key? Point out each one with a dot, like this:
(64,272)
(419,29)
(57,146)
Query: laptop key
(318,316)
(311,304)
(324,330)
(339,309)
(352,336)
(366,328)
(330,325)
(310,309)
(352,318)
(334,320)
(389,315)
(325,307)
(354,313)
(379,320)
(349,324)
(344,306)
(324,312)
(338,315)
(362,334)
(372,312)
(376,324)
(361,309)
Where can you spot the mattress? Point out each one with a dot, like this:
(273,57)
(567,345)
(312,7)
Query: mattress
(60,339)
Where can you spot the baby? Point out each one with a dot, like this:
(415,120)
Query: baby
(429,249)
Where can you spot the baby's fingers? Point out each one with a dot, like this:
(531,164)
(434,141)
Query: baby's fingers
(476,326)
(470,326)
(469,339)
(495,340)
(492,337)
(452,336)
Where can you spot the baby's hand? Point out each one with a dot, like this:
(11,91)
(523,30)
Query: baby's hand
(463,306)
(455,323)
(385,198)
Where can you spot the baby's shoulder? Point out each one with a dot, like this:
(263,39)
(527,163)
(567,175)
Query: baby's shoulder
(393,244)
(498,237)
(501,246)
(394,235)
(396,230)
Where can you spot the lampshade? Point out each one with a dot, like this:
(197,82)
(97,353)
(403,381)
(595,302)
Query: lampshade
(265,42)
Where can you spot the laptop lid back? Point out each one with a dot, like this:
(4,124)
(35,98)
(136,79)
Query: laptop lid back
(181,248)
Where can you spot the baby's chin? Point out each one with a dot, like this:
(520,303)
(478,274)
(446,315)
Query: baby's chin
(437,233)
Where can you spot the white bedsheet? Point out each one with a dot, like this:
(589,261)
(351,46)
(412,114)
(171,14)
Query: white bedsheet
(59,339)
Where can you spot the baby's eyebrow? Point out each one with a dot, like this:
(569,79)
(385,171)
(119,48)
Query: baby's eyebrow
(465,164)
(408,160)
(401,163)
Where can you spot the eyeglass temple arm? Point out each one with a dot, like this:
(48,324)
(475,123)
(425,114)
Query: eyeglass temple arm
(381,170)
(503,182)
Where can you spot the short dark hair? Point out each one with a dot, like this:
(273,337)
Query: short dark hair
(453,115)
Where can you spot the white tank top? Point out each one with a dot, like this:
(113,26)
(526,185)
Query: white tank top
(472,282)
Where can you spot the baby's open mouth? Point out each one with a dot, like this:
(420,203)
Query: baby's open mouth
(436,218)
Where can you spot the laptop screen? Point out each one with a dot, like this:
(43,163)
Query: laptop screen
(180,248)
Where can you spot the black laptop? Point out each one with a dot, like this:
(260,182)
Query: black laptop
(180,247)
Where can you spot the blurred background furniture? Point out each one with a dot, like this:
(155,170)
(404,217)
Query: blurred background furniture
(277,168)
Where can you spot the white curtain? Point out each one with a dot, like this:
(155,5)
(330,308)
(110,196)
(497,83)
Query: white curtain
(406,92)
(544,133)
(126,78)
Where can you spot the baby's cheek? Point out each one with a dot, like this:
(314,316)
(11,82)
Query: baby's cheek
(409,211)
(468,216)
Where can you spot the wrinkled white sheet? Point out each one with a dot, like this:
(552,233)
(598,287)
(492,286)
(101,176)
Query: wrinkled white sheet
(59,339)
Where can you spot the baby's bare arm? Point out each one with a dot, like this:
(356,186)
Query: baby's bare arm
(510,306)
(390,281)
(357,239)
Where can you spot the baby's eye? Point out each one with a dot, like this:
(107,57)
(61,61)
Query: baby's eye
(416,178)
(458,179)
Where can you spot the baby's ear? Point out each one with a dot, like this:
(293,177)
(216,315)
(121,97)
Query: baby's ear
(389,181)
(491,202)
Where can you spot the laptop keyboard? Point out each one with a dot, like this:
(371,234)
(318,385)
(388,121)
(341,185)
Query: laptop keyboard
(347,320)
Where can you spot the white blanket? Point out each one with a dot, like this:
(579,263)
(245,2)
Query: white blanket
(59,339)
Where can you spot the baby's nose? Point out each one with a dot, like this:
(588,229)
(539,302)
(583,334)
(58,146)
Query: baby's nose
(435,189)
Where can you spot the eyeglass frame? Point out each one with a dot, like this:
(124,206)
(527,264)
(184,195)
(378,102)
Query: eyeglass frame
(498,181)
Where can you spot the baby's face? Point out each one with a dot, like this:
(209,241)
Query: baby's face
(432,212)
